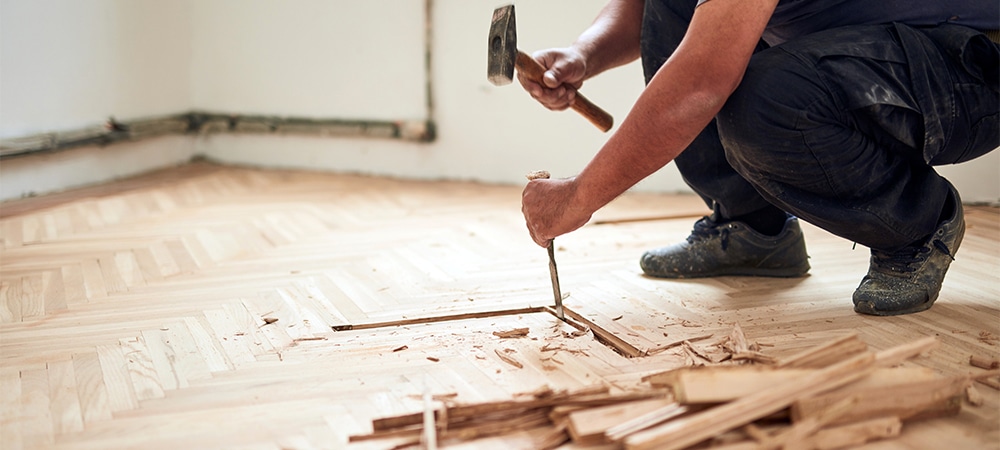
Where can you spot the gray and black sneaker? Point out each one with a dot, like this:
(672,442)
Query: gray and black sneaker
(730,248)
(909,280)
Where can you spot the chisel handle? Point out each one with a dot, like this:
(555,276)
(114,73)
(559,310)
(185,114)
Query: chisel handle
(534,71)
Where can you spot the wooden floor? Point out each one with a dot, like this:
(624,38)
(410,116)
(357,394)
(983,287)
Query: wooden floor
(141,313)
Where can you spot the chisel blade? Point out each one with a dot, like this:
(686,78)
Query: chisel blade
(554,274)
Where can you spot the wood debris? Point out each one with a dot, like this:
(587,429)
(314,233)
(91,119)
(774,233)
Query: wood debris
(989,378)
(826,354)
(973,396)
(984,363)
(988,338)
(991,382)
(508,359)
(690,430)
(469,421)
(515,333)
(671,345)
(835,395)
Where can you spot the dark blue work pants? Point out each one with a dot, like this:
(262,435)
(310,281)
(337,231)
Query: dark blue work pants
(842,127)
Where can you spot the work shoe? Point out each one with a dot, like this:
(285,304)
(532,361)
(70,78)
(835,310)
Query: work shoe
(909,280)
(717,248)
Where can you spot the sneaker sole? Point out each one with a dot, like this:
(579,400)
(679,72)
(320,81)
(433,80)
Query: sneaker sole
(794,272)
(865,308)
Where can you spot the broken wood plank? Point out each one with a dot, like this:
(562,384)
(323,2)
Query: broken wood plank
(906,400)
(693,429)
(718,384)
(826,354)
(553,439)
(837,437)
(596,395)
(855,434)
(606,337)
(896,355)
(652,418)
(587,426)
(795,436)
(492,418)
(478,429)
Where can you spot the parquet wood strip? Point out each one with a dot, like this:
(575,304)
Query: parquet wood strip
(35,407)
(91,390)
(64,400)
(11,413)
(114,369)
(138,308)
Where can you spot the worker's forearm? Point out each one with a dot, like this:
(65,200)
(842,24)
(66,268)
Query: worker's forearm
(664,121)
(613,39)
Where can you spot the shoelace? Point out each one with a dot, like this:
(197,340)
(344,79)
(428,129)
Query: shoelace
(707,228)
(905,260)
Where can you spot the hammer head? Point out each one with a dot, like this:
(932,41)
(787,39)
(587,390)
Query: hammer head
(502,46)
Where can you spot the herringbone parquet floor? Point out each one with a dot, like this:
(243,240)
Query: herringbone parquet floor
(195,308)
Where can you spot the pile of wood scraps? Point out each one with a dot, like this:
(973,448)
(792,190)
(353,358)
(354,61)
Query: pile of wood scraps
(836,395)
(536,409)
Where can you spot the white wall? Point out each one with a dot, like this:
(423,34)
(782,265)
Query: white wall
(68,64)
(360,59)
(485,133)
(71,63)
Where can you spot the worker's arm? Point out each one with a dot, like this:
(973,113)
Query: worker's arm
(611,41)
(680,100)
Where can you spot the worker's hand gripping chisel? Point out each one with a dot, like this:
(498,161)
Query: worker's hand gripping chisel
(553,272)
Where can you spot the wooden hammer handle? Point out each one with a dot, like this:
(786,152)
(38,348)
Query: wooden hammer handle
(597,116)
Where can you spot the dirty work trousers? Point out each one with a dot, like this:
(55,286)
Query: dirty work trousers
(842,128)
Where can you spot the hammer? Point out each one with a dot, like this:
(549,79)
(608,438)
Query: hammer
(504,57)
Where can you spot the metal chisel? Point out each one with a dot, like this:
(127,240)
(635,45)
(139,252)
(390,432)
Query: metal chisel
(554,274)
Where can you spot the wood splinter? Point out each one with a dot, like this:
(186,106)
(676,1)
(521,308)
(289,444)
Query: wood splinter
(508,359)
(515,333)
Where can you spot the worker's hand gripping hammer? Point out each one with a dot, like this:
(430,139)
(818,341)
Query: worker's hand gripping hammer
(504,57)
